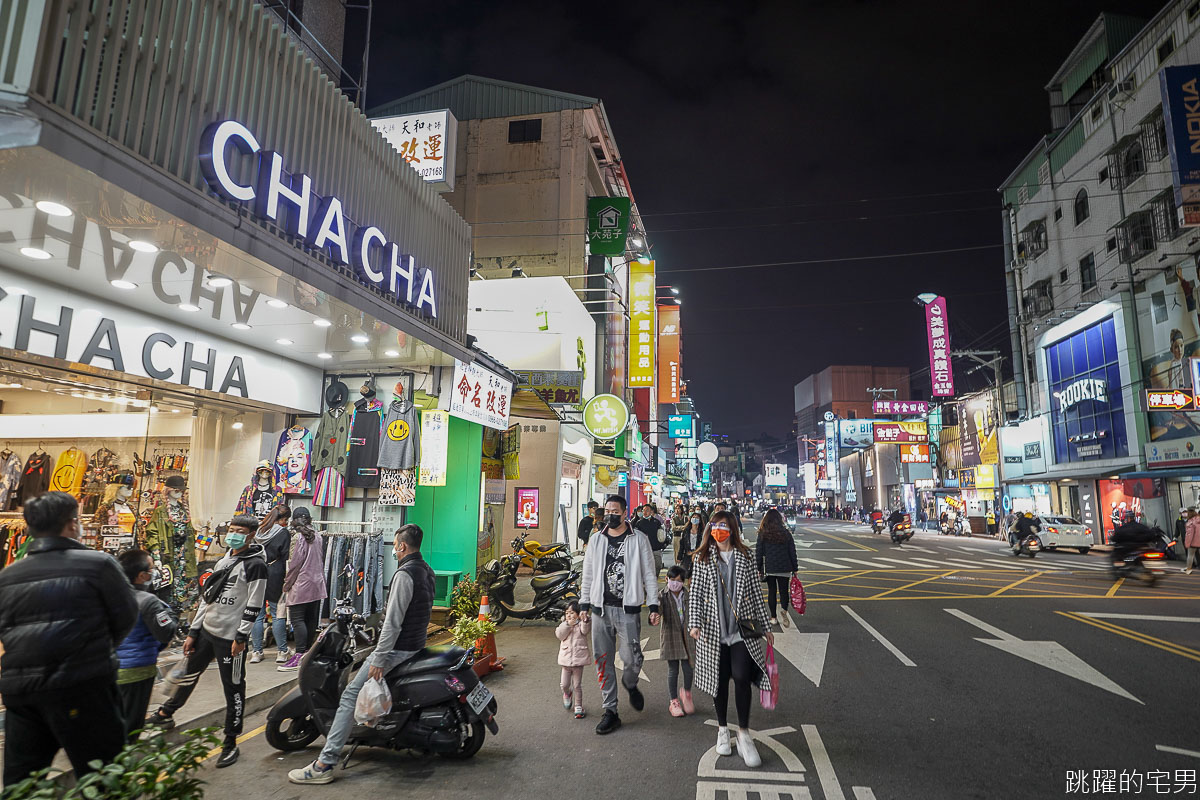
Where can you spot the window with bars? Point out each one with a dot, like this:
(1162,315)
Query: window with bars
(1154,137)
(1135,236)
(1039,297)
(1034,240)
(1166,216)
(1126,162)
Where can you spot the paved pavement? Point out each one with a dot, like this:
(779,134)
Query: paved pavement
(993,691)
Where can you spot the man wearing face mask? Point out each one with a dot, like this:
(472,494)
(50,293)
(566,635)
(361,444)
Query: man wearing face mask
(229,603)
(138,653)
(650,525)
(618,577)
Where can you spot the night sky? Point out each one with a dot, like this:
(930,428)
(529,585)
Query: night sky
(759,133)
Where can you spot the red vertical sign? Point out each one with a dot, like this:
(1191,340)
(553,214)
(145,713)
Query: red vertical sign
(668,354)
(940,371)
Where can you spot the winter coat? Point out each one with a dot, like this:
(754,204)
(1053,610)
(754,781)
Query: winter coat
(573,643)
(305,578)
(687,543)
(703,613)
(276,544)
(775,558)
(640,580)
(674,641)
(653,529)
(63,608)
(152,632)
(1192,538)
(680,524)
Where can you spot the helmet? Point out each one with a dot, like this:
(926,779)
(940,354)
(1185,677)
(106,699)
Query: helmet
(1029,515)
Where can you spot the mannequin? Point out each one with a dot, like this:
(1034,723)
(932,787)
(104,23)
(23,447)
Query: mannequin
(114,506)
(329,449)
(262,493)
(171,540)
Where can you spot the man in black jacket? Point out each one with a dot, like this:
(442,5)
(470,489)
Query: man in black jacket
(63,609)
(650,525)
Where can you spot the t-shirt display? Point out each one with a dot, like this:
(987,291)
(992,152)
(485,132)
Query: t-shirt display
(35,478)
(69,472)
(10,478)
(329,443)
(614,568)
(399,445)
(292,460)
(362,446)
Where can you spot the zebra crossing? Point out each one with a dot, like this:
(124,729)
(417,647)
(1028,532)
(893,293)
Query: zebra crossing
(824,561)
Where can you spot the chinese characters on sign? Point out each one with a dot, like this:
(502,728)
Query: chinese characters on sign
(1172,399)
(556,387)
(679,426)
(775,474)
(914,454)
(940,370)
(607,223)
(427,142)
(901,407)
(641,324)
(480,395)
(527,508)
(668,354)
(831,453)
(435,442)
(901,432)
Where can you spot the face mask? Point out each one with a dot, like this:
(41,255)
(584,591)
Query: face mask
(614,520)
(720,534)
(645,515)
(695,520)
(236,541)
(675,586)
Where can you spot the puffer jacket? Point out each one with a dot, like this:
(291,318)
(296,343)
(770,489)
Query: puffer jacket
(276,544)
(1192,537)
(573,643)
(775,558)
(152,632)
(305,579)
(63,608)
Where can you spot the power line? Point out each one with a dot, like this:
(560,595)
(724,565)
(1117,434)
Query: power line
(842,259)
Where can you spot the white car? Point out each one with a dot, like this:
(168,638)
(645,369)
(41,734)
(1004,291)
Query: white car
(1065,532)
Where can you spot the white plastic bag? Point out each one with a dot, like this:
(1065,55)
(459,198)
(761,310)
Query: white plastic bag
(374,702)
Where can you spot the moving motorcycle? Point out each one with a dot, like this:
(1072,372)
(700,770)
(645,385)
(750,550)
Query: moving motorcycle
(551,593)
(439,704)
(1028,546)
(878,525)
(1144,563)
(902,531)
(539,557)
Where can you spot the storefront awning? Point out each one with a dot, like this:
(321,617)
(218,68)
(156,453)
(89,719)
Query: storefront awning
(601,460)
(1181,473)
(527,403)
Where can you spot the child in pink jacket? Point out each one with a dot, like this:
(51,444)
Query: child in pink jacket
(573,656)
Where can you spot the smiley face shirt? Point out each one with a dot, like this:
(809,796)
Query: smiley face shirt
(400,441)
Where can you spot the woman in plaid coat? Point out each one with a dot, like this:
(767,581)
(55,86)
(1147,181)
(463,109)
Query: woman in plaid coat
(725,588)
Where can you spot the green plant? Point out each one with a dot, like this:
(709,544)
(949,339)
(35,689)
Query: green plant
(467,631)
(150,768)
(464,600)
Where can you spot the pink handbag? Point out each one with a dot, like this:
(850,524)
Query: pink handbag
(799,598)
(769,697)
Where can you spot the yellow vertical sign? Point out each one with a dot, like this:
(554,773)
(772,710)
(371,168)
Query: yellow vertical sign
(642,331)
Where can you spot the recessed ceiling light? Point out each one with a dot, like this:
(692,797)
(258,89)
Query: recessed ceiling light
(174,410)
(218,281)
(36,253)
(188,307)
(360,338)
(391,353)
(241,326)
(143,246)
(14,386)
(52,208)
(324,355)
(274,303)
(320,322)
(284,341)
(237,424)
(123,284)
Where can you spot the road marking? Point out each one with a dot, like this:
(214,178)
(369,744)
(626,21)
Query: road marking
(1146,617)
(707,768)
(824,563)
(1112,591)
(905,660)
(923,550)
(930,562)
(863,793)
(825,774)
(957,562)
(915,583)
(240,739)
(1177,750)
(1014,584)
(805,651)
(905,563)
(1153,641)
(1051,655)
(853,544)
(872,564)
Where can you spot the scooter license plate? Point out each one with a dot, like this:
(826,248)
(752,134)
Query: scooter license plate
(479,698)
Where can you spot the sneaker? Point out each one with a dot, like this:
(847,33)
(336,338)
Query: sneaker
(256,657)
(609,722)
(747,750)
(292,664)
(786,620)
(685,700)
(579,712)
(774,621)
(567,701)
(159,720)
(635,698)
(723,748)
(229,756)
(676,709)
(313,773)
(283,656)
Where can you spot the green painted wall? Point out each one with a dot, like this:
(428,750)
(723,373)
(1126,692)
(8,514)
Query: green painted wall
(449,514)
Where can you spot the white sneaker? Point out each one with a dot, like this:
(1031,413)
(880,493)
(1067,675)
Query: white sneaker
(283,656)
(723,748)
(256,657)
(747,750)
(785,620)
(311,774)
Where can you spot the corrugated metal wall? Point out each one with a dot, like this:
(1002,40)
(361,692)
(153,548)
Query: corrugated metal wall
(151,74)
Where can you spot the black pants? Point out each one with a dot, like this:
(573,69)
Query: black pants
(736,663)
(306,621)
(84,720)
(233,677)
(777,584)
(135,699)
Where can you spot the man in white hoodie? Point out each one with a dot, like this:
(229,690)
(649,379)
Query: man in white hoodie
(618,577)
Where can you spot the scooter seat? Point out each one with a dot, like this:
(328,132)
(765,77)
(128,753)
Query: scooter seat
(540,582)
(438,657)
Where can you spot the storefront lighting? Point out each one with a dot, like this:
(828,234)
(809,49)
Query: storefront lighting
(14,386)
(391,353)
(636,241)
(643,259)
(217,281)
(237,423)
(36,253)
(674,290)
(321,322)
(16,291)
(174,410)
(143,246)
(284,341)
(240,326)
(360,338)
(123,284)
(276,303)
(53,209)
(188,307)
(325,356)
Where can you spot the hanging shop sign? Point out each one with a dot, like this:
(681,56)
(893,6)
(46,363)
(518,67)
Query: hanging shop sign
(480,395)
(557,387)
(605,416)
(494,491)
(669,351)
(1170,400)
(641,324)
(622,479)
(855,433)
(435,444)
(289,202)
(527,507)
(1180,90)
(831,449)
(607,224)
(914,454)
(940,370)
(900,407)
(427,141)
(775,474)
(706,474)
(901,432)
(679,426)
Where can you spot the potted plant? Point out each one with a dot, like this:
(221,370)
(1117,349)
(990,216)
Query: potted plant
(469,634)
(464,600)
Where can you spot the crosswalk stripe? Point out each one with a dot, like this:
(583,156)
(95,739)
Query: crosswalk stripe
(980,565)
(929,561)
(918,547)
(871,564)
(905,563)
(824,563)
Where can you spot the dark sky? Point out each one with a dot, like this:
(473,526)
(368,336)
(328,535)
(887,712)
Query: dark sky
(781,132)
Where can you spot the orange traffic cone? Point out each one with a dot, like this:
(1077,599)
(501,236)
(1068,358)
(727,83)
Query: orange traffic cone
(485,648)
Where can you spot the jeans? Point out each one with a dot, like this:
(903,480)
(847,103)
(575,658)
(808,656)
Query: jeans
(607,629)
(84,720)
(343,721)
(278,627)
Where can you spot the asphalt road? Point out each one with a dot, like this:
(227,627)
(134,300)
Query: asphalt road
(980,688)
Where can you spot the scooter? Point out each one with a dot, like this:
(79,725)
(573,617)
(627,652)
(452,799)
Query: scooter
(902,531)
(539,557)
(1143,563)
(1028,546)
(551,593)
(439,705)
(1166,544)
(878,525)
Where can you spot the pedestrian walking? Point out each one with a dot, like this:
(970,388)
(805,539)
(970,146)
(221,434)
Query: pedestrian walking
(728,619)
(679,523)
(618,578)
(138,652)
(690,540)
(775,556)
(1181,530)
(649,524)
(676,647)
(1191,539)
(573,655)
(589,524)
(276,543)
(63,608)
(229,603)
(304,586)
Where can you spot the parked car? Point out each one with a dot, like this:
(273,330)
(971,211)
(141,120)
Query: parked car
(1058,531)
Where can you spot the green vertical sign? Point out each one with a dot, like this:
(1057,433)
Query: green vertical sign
(608,222)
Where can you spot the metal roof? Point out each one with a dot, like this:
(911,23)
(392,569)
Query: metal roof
(474,97)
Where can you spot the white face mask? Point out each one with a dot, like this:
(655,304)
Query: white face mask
(174,494)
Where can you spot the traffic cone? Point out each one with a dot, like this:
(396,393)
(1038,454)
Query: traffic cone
(486,646)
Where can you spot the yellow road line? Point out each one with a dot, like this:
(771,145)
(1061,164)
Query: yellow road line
(240,739)
(1003,589)
(1026,597)
(916,583)
(1114,588)
(1153,641)
(834,580)
(847,541)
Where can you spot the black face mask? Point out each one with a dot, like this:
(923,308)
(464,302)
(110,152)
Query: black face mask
(614,520)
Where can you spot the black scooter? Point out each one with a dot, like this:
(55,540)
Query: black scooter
(439,704)
(551,593)
(1144,563)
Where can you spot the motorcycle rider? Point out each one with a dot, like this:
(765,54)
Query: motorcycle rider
(1023,527)
(405,628)
(895,518)
(1128,537)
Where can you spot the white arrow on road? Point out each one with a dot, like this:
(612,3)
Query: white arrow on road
(805,543)
(805,651)
(1051,655)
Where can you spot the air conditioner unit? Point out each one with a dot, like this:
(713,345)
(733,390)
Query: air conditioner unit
(1120,90)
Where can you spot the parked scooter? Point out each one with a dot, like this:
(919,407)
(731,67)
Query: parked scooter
(539,557)
(551,593)
(439,704)
(1144,563)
